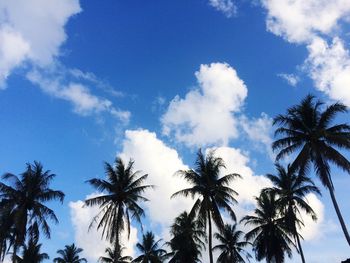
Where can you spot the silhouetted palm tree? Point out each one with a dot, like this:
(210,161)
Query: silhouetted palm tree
(291,189)
(70,254)
(270,235)
(150,249)
(213,191)
(186,243)
(231,246)
(23,200)
(115,256)
(122,193)
(31,253)
(307,128)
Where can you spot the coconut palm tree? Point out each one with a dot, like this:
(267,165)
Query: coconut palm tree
(151,251)
(270,235)
(70,254)
(186,243)
(121,193)
(291,189)
(31,253)
(308,130)
(213,192)
(24,202)
(115,256)
(231,246)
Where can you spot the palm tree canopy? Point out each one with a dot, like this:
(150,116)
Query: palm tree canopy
(151,251)
(186,243)
(115,256)
(270,235)
(122,191)
(291,188)
(308,128)
(70,254)
(31,253)
(231,245)
(22,202)
(212,190)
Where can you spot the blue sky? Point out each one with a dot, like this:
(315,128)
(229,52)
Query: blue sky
(82,82)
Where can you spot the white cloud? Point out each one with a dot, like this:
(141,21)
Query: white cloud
(225,6)
(90,240)
(259,131)
(32,30)
(205,115)
(13,51)
(329,67)
(291,79)
(160,162)
(311,23)
(299,21)
(84,102)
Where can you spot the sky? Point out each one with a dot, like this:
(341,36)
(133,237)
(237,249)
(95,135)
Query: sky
(82,82)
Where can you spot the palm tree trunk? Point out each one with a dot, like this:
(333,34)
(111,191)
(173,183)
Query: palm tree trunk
(210,240)
(340,217)
(299,246)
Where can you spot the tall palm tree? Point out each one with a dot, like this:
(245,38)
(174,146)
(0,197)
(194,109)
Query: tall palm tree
(150,249)
(270,235)
(231,246)
(307,129)
(213,192)
(122,192)
(186,243)
(115,256)
(70,254)
(31,253)
(24,202)
(291,189)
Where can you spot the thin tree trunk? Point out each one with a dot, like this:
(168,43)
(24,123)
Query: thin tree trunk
(340,217)
(299,246)
(210,240)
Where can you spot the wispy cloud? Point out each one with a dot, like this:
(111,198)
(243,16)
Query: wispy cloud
(227,7)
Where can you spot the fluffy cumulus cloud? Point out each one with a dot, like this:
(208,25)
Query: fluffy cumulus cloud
(206,114)
(83,101)
(225,6)
(329,67)
(299,21)
(90,240)
(313,23)
(32,30)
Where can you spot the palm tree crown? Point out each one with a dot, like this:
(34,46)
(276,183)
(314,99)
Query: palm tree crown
(291,189)
(70,254)
(186,243)
(31,253)
(22,203)
(307,129)
(122,192)
(270,235)
(115,256)
(150,249)
(212,191)
(231,246)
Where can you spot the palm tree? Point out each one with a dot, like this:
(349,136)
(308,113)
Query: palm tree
(23,200)
(70,254)
(123,188)
(31,253)
(291,189)
(307,129)
(213,192)
(186,243)
(270,235)
(231,245)
(115,256)
(150,249)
